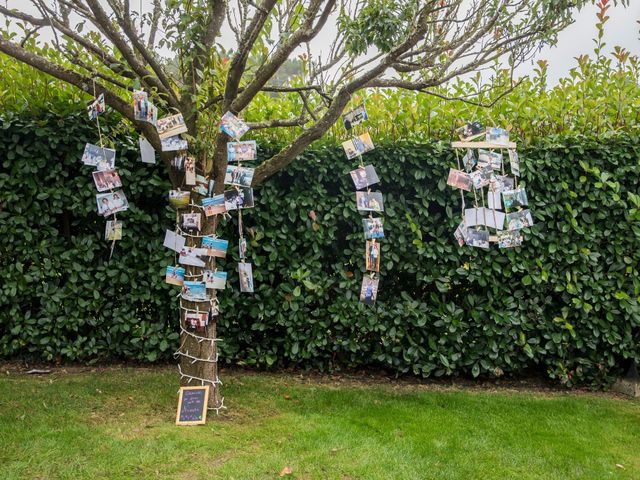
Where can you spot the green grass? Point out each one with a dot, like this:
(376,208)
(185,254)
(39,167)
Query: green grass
(118,424)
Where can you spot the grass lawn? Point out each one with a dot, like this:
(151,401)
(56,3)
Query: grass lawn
(118,423)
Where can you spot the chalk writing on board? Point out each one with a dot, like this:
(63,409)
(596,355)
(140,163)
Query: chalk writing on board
(192,406)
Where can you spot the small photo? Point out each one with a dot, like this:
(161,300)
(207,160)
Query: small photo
(190,171)
(471,131)
(174,275)
(171,126)
(194,291)
(239,176)
(372,256)
(469,160)
(189,256)
(238,199)
(106,180)
(174,144)
(498,136)
(484,216)
(358,145)
(354,117)
(96,107)
(233,126)
(216,280)
(460,234)
(369,201)
(242,151)
(211,188)
(487,157)
(494,200)
(482,177)
(196,321)
(101,158)
(177,162)
(514,162)
(369,290)
(518,220)
(364,177)
(179,198)
(192,221)
(509,239)
(242,248)
(216,247)
(143,109)
(147,152)
(478,238)
(372,228)
(459,179)
(113,230)
(173,241)
(246,277)
(214,205)
(110,203)
(499,183)
(514,198)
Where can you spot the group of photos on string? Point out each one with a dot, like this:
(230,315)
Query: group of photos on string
(367,201)
(499,214)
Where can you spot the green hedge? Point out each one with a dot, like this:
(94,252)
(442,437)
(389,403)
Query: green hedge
(565,302)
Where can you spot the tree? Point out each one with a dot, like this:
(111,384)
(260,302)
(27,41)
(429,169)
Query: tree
(171,48)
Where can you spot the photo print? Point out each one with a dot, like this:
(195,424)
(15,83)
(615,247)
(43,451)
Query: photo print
(215,247)
(518,220)
(174,144)
(189,256)
(242,248)
(469,160)
(191,221)
(240,176)
(101,158)
(214,205)
(143,109)
(484,216)
(487,157)
(171,126)
(147,152)
(233,126)
(190,171)
(372,256)
(242,151)
(514,198)
(478,238)
(106,180)
(211,188)
(354,117)
(177,162)
(494,201)
(112,202)
(497,136)
(238,199)
(196,321)
(179,198)
(113,230)
(471,130)
(358,145)
(514,162)
(214,279)
(173,241)
(372,228)
(482,177)
(245,273)
(174,275)
(500,183)
(369,290)
(364,177)
(508,239)
(459,179)
(96,107)
(460,234)
(369,201)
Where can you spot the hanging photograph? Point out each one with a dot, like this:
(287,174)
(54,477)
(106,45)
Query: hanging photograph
(482,177)
(177,162)
(497,136)
(191,221)
(233,126)
(242,151)
(358,145)
(354,117)
(494,200)
(245,273)
(195,291)
(171,126)
(500,183)
(96,107)
(174,275)
(112,202)
(214,205)
(101,158)
(189,256)
(215,247)
(369,290)
(238,199)
(364,177)
(179,198)
(487,157)
(143,109)
(173,241)
(372,256)
(369,201)
(106,180)
(508,239)
(514,162)
(196,321)
(459,179)
(240,176)
(469,160)
(484,216)
(242,248)
(372,228)
(215,280)
(514,198)
(460,234)
(147,152)
(174,144)
(113,230)
(471,130)
(518,220)
(478,238)
(190,171)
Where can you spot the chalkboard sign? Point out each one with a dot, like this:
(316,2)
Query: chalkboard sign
(192,405)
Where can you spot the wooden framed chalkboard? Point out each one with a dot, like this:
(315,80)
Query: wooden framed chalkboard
(192,405)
